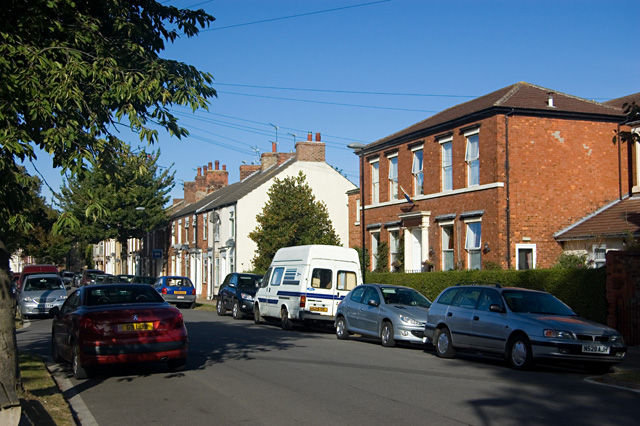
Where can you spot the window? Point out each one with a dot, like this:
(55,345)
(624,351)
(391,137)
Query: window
(195,229)
(321,278)
(375,182)
(180,231)
(467,298)
(599,253)
(356,295)
(186,222)
(394,247)
(347,280)
(205,226)
(173,233)
(358,212)
(393,178)
(472,159)
(416,170)
(526,256)
(447,165)
(276,276)
(371,295)
(232,223)
(472,245)
(375,240)
(447,247)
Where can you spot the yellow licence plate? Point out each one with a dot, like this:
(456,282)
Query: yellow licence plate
(136,326)
(179,292)
(318,309)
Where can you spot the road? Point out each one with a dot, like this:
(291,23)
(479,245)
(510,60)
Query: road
(240,373)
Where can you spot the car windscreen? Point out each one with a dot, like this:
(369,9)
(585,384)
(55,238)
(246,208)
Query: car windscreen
(404,296)
(118,294)
(248,282)
(42,284)
(535,303)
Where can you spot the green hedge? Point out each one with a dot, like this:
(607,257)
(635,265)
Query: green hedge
(582,289)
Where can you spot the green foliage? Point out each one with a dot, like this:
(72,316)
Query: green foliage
(366,257)
(582,289)
(382,257)
(291,217)
(571,261)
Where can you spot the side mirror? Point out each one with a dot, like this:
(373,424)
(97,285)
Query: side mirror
(54,312)
(496,308)
(373,303)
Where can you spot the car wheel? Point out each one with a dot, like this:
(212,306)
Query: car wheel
(256,314)
(55,351)
(598,368)
(444,347)
(387,335)
(341,329)
(176,365)
(285,320)
(79,372)
(220,307)
(520,356)
(236,313)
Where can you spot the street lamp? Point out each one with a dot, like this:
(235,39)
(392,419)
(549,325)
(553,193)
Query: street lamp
(358,148)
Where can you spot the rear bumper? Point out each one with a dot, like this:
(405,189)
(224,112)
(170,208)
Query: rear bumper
(172,298)
(146,352)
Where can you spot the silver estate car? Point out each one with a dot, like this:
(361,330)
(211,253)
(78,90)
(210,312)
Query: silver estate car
(40,293)
(520,324)
(388,312)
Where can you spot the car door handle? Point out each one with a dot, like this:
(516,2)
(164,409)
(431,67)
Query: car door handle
(476,318)
(449,314)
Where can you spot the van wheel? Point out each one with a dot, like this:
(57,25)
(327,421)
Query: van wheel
(442,341)
(256,314)
(220,307)
(341,329)
(286,321)
(387,335)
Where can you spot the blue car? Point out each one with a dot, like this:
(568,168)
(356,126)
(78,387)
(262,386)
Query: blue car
(176,290)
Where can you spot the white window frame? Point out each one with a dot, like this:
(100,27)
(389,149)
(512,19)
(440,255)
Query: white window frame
(375,181)
(472,249)
(394,245)
(593,255)
(173,233)
(232,223)
(472,158)
(446,144)
(205,226)
(417,170)
(444,251)
(375,241)
(393,176)
(358,212)
(531,247)
(194,233)
(179,231)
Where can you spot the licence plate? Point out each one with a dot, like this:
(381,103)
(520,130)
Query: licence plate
(595,349)
(136,326)
(318,309)
(45,305)
(179,292)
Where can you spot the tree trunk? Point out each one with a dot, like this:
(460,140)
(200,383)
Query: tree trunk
(9,372)
(124,256)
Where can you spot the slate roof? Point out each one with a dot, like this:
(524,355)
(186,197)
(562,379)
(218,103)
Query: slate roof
(230,194)
(522,97)
(614,220)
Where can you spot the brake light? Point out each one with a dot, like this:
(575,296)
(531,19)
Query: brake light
(88,326)
(177,322)
(303,301)
(164,290)
(193,292)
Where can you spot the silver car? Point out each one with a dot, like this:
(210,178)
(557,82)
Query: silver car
(40,293)
(388,312)
(522,325)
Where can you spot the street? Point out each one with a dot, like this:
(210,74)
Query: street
(241,373)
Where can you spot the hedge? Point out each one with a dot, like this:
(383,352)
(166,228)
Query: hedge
(582,289)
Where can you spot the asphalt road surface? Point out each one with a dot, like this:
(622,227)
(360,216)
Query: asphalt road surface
(239,373)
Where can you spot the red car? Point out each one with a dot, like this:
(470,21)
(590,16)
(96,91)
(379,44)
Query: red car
(115,324)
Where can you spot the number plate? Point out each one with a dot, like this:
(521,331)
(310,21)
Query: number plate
(318,309)
(45,305)
(179,292)
(595,349)
(136,326)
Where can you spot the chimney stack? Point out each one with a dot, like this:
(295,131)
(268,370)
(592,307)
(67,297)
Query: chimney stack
(309,150)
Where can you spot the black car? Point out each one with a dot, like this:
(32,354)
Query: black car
(236,294)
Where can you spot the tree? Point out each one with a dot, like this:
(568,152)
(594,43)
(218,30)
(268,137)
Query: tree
(291,217)
(132,196)
(70,72)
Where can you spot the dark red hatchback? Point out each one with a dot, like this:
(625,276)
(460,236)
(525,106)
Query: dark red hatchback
(116,324)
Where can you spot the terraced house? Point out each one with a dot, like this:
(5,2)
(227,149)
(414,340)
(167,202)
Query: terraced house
(489,182)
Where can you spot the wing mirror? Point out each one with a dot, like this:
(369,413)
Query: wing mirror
(373,303)
(496,308)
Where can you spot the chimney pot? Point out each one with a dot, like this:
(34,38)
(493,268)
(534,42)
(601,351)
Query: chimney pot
(199,171)
(210,166)
(309,137)
(217,165)
(274,147)
(318,137)
(224,167)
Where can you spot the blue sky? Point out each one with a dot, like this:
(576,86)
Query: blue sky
(359,70)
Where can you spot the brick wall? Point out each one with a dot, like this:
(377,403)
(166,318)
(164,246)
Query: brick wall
(623,294)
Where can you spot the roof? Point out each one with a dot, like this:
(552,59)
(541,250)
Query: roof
(520,97)
(230,194)
(619,102)
(617,219)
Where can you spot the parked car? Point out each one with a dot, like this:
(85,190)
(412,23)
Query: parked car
(89,276)
(124,278)
(388,312)
(177,290)
(39,294)
(237,293)
(35,269)
(523,326)
(67,278)
(144,280)
(116,324)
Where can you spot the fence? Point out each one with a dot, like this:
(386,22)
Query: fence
(628,321)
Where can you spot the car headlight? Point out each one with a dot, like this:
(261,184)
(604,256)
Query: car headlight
(64,297)
(409,320)
(558,334)
(617,338)
(246,296)
(27,299)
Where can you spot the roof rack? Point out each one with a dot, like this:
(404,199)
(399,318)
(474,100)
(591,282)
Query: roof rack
(497,285)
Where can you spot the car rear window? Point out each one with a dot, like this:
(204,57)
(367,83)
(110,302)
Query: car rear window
(116,295)
(178,282)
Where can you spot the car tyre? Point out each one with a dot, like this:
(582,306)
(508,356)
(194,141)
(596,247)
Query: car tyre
(341,329)
(79,372)
(220,307)
(256,314)
(236,313)
(443,344)
(55,351)
(386,335)
(176,365)
(519,353)
(285,320)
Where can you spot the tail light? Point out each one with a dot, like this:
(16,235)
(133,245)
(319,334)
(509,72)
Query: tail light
(164,290)
(193,292)
(177,322)
(88,326)
(303,301)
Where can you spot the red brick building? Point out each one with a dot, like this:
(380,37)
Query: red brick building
(489,181)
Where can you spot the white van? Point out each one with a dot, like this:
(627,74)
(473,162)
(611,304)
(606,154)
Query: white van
(306,283)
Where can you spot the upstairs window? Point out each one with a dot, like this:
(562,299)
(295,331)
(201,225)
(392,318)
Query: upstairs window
(472,158)
(393,178)
(447,165)
(416,170)
(375,182)
(472,244)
